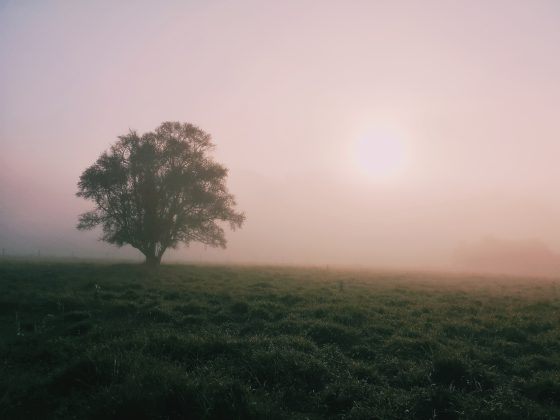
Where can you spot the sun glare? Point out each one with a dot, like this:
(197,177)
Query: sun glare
(380,154)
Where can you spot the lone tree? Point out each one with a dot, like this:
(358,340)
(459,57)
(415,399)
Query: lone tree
(157,190)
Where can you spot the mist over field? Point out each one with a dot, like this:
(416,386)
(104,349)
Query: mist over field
(384,174)
(371,134)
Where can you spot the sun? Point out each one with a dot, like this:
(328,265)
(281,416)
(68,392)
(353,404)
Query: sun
(380,154)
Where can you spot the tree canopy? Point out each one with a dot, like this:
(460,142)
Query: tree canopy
(157,190)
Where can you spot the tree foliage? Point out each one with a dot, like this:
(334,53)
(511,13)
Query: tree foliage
(157,190)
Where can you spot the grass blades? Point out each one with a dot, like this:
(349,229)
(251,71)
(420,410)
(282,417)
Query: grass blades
(124,341)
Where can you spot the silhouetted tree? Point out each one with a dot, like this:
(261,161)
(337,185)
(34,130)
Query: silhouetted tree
(157,190)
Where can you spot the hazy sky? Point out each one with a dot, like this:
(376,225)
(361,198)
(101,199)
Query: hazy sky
(356,132)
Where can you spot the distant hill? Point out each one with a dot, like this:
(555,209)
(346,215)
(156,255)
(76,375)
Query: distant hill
(525,257)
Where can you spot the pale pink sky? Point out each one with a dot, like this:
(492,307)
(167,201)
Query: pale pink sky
(465,96)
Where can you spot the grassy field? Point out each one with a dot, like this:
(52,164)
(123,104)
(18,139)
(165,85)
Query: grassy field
(122,341)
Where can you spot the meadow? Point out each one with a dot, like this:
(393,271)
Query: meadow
(115,341)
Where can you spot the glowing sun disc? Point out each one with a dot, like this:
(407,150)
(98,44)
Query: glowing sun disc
(380,154)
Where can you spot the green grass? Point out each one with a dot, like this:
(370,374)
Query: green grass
(122,341)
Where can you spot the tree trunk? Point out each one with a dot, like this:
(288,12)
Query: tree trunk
(152,260)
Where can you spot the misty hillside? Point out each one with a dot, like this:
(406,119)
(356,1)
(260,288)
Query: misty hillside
(529,257)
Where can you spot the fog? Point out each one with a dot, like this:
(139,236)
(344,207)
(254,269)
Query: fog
(371,134)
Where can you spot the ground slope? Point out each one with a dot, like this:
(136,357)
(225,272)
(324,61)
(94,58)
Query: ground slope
(123,341)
